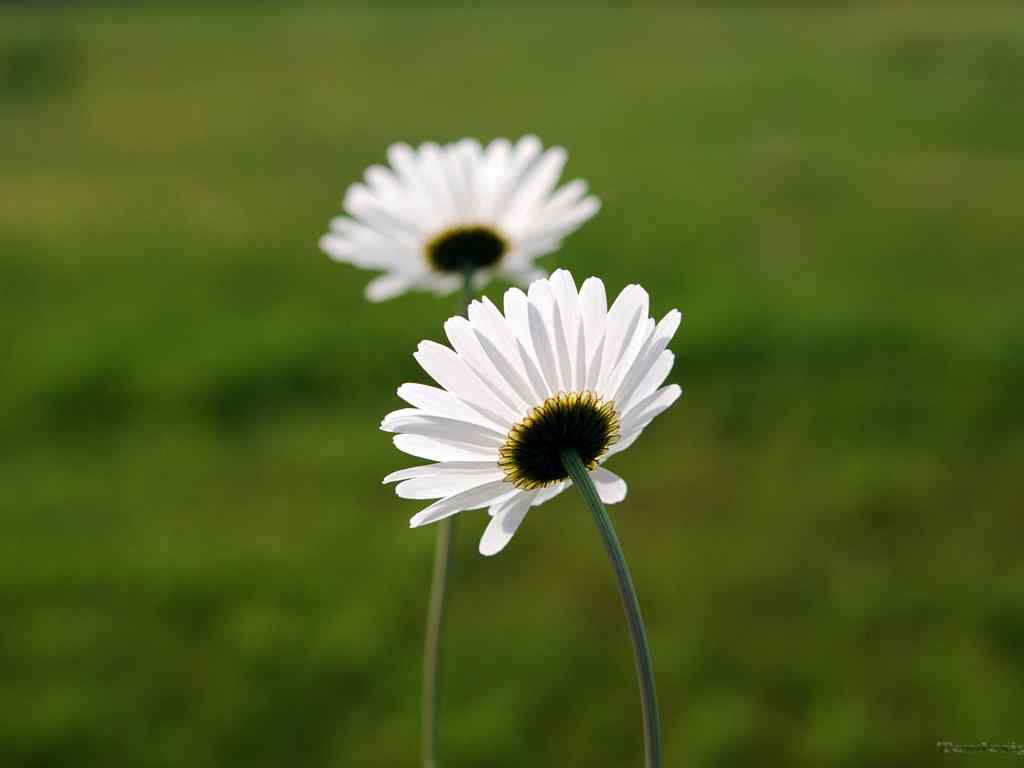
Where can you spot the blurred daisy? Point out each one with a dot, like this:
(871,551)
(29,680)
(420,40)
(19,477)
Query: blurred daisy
(440,212)
(557,369)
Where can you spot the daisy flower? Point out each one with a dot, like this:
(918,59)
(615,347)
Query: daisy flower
(439,213)
(557,370)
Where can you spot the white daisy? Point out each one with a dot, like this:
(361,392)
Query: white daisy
(439,211)
(557,369)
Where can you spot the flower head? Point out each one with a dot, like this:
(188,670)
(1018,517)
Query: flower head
(558,369)
(440,211)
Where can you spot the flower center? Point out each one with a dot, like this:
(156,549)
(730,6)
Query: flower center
(465,248)
(583,421)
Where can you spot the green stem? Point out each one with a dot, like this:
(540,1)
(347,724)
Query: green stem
(644,670)
(432,642)
(467,288)
(436,610)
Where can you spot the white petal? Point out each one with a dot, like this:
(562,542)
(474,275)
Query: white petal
(646,410)
(523,154)
(407,167)
(467,346)
(610,487)
(386,287)
(565,199)
(394,195)
(492,173)
(442,468)
(398,421)
(561,224)
(437,450)
(632,350)
(594,308)
(567,310)
(355,243)
(650,381)
(366,206)
(445,285)
(580,372)
(625,396)
(443,403)
(624,441)
(458,181)
(348,251)
(624,317)
(480,496)
(447,430)
(471,155)
(565,358)
(517,314)
(432,163)
(498,342)
(540,311)
(452,373)
(547,494)
(534,188)
(507,518)
(439,486)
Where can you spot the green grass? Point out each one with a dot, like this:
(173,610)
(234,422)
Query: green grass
(199,566)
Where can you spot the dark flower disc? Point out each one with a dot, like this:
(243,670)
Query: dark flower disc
(465,248)
(583,421)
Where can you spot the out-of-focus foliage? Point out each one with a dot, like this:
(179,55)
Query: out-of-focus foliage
(199,566)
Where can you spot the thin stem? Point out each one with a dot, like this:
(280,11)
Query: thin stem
(467,287)
(644,670)
(436,609)
(432,642)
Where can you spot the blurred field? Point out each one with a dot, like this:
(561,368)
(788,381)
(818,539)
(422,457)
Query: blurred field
(199,566)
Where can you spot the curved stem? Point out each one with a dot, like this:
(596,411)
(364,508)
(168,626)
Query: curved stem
(436,610)
(644,669)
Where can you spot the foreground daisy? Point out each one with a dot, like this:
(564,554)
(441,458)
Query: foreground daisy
(442,212)
(532,400)
(558,369)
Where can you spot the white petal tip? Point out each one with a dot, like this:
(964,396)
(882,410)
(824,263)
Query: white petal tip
(490,545)
(384,287)
(350,193)
(615,499)
(675,392)
(330,247)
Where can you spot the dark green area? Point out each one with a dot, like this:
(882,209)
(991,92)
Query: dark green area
(199,566)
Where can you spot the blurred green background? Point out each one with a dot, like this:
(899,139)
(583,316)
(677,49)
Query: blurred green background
(198,564)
